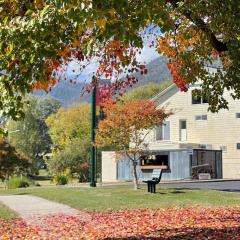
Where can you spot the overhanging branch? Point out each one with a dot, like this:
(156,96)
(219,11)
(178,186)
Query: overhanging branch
(216,44)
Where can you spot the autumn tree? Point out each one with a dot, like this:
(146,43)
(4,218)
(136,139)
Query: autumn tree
(39,38)
(126,127)
(69,129)
(11,161)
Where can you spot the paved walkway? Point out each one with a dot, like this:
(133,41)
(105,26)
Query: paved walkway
(32,208)
(229,186)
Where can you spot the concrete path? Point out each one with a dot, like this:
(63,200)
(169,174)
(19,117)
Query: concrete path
(32,208)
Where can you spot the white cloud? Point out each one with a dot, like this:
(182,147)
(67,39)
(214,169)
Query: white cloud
(147,54)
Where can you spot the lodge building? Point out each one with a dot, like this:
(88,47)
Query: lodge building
(191,141)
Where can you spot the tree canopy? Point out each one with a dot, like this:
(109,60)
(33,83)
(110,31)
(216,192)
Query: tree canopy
(11,161)
(69,129)
(38,39)
(30,135)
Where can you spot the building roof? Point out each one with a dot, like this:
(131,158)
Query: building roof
(165,94)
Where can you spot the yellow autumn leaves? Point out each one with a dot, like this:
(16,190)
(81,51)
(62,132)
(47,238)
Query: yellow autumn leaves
(101,22)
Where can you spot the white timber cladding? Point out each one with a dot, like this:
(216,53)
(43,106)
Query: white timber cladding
(109,167)
(217,130)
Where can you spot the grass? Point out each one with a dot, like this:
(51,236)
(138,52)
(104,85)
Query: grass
(120,197)
(6,213)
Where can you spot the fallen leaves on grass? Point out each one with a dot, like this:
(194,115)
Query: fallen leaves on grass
(218,223)
(17,229)
(162,224)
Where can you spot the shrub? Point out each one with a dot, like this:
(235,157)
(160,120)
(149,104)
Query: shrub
(61,179)
(18,182)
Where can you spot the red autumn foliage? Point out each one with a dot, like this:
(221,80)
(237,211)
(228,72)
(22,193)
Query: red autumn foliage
(181,83)
(127,126)
(163,224)
(116,65)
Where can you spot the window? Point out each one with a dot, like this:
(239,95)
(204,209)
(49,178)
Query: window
(223,148)
(238,146)
(183,124)
(237,115)
(162,160)
(159,133)
(198,97)
(198,117)
(163,131)
(204,98)
(182,130)
(155,160)
(201,117)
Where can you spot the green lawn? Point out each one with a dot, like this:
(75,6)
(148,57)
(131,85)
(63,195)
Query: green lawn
(105,198)
(6,213)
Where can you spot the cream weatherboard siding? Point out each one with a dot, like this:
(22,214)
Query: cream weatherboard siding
(220,129)
(109,167)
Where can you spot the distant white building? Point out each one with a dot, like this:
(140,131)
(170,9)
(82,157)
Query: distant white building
(190,138)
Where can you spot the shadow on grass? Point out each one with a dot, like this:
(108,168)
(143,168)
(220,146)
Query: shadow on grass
(177,192)
(229,190)
(209,189)
(216,186)
(161,193)
(40,178)
(187,234)
(21,193)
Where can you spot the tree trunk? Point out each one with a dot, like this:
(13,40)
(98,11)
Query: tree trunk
(135,178)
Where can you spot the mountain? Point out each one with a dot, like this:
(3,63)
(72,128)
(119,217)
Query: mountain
(68,93)
(157,72)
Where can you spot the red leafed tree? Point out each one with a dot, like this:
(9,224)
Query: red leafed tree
(11,162)
(126,127)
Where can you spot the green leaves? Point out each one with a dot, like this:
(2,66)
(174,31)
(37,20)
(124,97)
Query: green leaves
(33,32)
(70,133)
(30,135)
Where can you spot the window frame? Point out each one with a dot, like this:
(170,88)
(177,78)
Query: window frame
(202,117)
(200,100)
(163,132)
(181,129)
